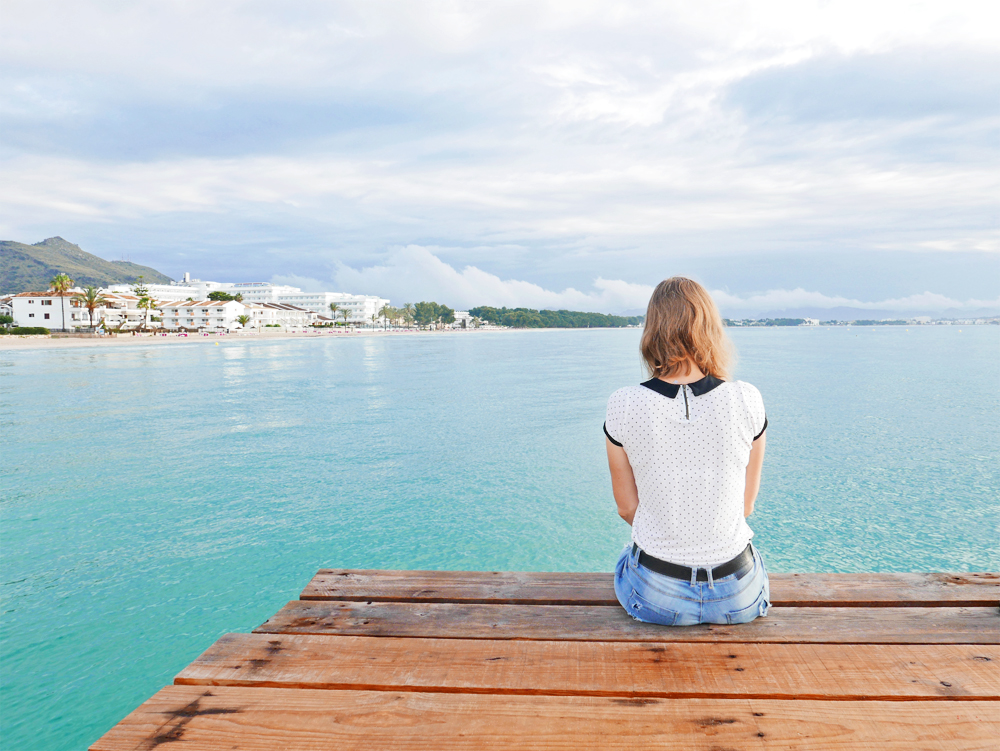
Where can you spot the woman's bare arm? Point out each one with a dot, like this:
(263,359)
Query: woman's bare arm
(622,482)
(753,473)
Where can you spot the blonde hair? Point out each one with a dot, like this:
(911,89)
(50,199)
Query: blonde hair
(681,322)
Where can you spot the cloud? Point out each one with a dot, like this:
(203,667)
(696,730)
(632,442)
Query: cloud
(782,299)
(604,140)
(413,273)
(905,84)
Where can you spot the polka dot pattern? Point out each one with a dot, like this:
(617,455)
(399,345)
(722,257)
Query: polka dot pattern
(689,462)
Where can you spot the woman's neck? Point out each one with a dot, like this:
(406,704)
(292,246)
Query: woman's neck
(692,374)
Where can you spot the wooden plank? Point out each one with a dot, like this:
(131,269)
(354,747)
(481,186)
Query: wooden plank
(630,669)
(527,588)
(598,623)
(199,718)
(980,589)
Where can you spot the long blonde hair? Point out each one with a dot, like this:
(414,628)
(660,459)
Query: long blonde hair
(682,321)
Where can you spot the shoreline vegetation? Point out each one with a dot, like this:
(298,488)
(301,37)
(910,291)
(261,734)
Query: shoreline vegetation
(528,318)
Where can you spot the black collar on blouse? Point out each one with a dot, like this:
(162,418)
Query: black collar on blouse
(670,390)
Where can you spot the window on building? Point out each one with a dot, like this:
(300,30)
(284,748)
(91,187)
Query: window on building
(46,302)
(46,316)
(31,315)
(31,302)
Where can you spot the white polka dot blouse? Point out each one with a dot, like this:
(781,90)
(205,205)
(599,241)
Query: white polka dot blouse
(689,447)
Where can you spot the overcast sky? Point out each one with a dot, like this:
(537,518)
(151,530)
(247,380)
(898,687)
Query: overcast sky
(549,154)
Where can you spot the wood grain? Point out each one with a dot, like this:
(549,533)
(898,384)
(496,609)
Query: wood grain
(642,669)
(198,718)
(938,625)
(526,588)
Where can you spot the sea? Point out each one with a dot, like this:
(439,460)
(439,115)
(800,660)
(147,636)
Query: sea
(155,497)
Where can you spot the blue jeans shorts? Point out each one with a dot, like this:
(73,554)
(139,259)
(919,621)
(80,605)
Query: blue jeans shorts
(654,598)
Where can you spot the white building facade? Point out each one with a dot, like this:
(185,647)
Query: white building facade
(158,291)
(119,312)
(360,307)
(46,309)
(49,309)
(207,315)
(260,292)
(270,315)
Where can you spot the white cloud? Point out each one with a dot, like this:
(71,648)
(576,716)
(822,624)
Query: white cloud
(783,299)
(413,273)
(600,137)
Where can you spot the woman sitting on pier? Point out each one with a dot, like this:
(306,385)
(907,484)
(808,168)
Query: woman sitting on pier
(685,450)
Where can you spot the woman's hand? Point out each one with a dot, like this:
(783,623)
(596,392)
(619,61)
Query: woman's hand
(753,473)
(622,482)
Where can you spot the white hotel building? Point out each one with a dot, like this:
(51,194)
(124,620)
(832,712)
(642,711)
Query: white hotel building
(361,307)
(202,314)
(215,315)
(46,309)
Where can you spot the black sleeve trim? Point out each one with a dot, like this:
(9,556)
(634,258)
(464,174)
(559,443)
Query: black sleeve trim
(609,435)
(762,429)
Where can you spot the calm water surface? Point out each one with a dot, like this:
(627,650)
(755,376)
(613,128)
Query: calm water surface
(157,497)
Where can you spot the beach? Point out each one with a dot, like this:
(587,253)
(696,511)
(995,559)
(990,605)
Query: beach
(75,342)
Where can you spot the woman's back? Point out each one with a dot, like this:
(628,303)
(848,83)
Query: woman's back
(689,446)
(685,451)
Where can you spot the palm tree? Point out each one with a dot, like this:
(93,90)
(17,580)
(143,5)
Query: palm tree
(91,299)
(408,312)
(147,304)
(333,310)
(243,320)
(140,290)
(345,314)
(61,284)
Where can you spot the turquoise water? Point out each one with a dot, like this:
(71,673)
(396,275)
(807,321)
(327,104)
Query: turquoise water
(156,497)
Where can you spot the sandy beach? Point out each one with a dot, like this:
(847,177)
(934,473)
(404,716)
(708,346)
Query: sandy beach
(72,342)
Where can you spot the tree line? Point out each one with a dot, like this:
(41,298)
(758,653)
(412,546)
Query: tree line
(528,318)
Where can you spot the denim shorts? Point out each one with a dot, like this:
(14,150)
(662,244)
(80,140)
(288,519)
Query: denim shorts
(654,598)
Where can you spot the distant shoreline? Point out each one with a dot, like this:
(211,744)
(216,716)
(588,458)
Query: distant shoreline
(15,342)
(43,342)
(10,343)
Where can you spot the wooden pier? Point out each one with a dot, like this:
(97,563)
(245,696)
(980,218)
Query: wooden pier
(465,660)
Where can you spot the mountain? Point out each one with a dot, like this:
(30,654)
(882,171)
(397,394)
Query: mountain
(29,268)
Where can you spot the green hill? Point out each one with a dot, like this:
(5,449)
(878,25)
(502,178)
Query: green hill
(29,268)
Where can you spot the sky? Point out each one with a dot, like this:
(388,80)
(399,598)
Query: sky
(791,156)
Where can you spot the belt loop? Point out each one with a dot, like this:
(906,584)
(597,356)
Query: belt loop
(694,576)
(711,581)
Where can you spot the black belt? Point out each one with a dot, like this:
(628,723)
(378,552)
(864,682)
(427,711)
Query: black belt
(739,565)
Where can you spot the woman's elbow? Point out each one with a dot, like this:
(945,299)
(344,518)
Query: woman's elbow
(627,512)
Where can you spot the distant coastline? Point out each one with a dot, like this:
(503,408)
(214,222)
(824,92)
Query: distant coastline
(77,341)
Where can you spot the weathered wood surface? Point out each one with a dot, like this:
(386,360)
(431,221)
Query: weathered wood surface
(465,660)
(527,588)
(198,718)
(643,669)
(895,625)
